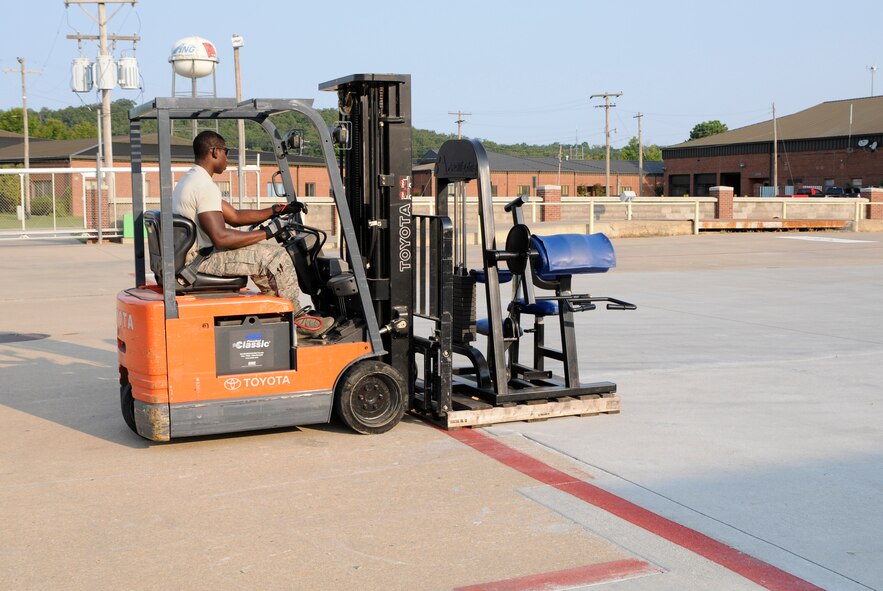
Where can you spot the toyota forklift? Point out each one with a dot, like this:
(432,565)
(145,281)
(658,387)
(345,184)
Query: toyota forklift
(201,354)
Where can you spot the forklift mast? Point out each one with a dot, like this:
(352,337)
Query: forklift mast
(375,111)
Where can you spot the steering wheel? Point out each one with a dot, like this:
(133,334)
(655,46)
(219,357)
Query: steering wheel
(292,230)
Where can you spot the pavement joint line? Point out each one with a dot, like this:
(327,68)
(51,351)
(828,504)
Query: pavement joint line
(605,572)
(764,574)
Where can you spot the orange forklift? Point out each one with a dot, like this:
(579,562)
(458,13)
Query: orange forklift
(200,354)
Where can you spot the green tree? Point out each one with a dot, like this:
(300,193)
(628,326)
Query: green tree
(707,128)
(12,120)
(630,151)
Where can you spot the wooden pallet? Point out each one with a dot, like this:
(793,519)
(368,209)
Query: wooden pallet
(474,413)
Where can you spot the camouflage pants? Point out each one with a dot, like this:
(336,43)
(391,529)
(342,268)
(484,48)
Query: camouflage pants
(268,265)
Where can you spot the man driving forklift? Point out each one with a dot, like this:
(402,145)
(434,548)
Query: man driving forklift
(229,252)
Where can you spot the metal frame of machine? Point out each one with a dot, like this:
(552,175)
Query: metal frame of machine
(393,266)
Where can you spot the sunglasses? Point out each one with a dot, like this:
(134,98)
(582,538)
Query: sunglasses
(226,150)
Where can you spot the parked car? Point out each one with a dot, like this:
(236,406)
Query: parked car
(809,192)
(835,192)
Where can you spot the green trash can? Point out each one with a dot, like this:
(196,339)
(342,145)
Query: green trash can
(129,226)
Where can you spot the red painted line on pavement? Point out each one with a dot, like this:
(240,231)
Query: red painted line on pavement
(753,569)
(604,572)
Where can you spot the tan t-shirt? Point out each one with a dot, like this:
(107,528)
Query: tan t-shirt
(196,193)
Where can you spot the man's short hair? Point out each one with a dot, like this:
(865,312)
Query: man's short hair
(205,141)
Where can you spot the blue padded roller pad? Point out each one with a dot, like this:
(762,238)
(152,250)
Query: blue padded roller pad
(572,254)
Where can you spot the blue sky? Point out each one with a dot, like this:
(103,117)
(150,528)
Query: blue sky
(524,70)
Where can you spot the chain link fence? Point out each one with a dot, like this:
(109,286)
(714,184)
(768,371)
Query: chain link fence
(65,202)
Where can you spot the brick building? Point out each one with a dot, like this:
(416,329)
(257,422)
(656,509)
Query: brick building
(518,175)
(834,144)
(309,174)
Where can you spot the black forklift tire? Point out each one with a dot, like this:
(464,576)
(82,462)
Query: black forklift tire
(370,397)
(127,404)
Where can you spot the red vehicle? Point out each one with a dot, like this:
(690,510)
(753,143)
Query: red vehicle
(809,192)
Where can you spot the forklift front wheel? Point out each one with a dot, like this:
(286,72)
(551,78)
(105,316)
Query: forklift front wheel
(370,397)
(127,404)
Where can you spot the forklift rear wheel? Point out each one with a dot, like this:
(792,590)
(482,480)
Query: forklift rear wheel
(370,397)
(128,405)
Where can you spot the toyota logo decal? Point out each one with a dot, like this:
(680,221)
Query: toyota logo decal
(232,383)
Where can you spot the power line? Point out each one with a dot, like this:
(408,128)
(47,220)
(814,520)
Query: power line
(607,106)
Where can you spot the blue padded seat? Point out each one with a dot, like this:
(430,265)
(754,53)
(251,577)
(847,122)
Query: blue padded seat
(538,308)
(482,326)
(504,275)
(572,254)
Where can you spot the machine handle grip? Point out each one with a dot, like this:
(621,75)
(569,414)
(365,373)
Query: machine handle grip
(620,305)
(517,202)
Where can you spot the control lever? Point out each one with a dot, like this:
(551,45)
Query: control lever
(399,324)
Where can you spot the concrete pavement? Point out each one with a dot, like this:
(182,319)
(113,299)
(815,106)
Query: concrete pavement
(750,382)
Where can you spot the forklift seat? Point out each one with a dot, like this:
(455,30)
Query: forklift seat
(184,235)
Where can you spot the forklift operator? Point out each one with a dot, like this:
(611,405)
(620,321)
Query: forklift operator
(231,252)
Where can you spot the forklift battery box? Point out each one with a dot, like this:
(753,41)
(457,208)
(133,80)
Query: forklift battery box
(246,344)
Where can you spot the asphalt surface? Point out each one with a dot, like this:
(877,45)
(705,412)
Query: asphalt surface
(750,381)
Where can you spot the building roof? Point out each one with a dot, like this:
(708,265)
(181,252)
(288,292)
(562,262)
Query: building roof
(848,117)
(87,149)
(10,138)
(506,163)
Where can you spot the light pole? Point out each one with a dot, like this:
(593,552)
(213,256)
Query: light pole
(873,70)
(238,42)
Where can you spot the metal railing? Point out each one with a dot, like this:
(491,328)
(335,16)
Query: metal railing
(64,202)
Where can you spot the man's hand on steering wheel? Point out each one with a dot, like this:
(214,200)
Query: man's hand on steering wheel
(273,227)
(289,208)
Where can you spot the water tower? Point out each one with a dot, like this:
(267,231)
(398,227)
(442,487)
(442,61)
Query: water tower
(194,58)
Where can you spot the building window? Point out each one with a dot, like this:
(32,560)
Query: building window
(856,183)
(41,188)
(829,183)
(522,190)
(565,190)
(278,192)
(309,189)
(493,190)
(145,188)
(625,188)
(92,184)
(224,187)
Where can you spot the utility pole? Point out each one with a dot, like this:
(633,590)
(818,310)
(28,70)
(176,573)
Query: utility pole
(24,111)
(640,117)
(103,52)
(873,70)
(775,155)
(238,42)
(607,105)
(559,165)
(460,121)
